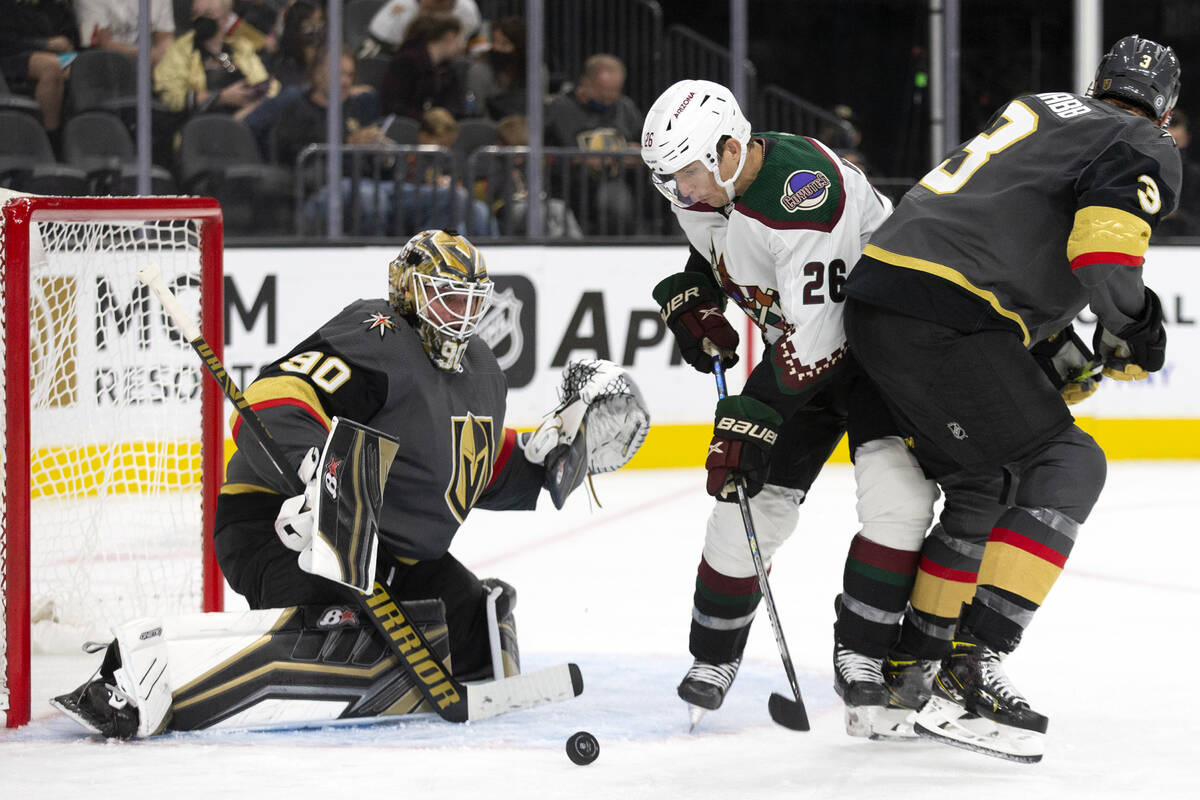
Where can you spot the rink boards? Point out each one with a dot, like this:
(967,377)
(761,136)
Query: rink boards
(554,304)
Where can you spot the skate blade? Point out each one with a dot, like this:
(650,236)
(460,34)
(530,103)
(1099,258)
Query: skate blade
(951,724)
(67,706)
(694,715)
(894,725)
(860,720)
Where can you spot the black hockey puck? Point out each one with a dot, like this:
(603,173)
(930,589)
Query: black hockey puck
(582,748)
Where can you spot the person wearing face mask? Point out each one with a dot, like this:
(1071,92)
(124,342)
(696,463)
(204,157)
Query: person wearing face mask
(598,116)
(496,77)
(423,73)
(205,69)
(302,34)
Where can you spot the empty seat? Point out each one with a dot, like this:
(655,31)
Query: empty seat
(18,102)
(219,156)
(27,160)
(403,130)
(102,79)
(356,16)
(98,143)
(475,133)
(371,70)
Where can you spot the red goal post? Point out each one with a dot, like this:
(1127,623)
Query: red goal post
(112,439)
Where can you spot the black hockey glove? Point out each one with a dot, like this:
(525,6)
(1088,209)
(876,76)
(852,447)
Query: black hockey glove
(1068,364)
(1136,350)
(744,432)
(691,307)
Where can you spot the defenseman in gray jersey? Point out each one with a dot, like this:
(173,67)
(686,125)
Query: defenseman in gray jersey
(1048,210)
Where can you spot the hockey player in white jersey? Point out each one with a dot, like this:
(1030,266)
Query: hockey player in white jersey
(775,222)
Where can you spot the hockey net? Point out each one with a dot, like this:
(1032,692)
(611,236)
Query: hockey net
(112,438)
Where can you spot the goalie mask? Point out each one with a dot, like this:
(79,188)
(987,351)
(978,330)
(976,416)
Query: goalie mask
(684,126)
(440,279)
(1142,73)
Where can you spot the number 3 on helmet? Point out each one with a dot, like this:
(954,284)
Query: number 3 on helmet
(686,124)
(440,279)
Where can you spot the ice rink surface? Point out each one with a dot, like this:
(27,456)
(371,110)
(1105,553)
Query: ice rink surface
(1111,659)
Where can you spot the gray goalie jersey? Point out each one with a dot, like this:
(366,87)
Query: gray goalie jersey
(367,364)
(1026,223)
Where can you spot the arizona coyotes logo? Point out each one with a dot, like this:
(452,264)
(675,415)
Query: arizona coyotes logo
(760,304)
(474,451)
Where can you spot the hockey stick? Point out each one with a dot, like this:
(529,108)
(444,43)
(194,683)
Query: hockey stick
(453,701)
(788,713)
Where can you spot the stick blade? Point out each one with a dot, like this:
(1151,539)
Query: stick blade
(788,713)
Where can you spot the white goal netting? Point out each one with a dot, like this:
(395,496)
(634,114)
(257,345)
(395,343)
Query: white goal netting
(114,428)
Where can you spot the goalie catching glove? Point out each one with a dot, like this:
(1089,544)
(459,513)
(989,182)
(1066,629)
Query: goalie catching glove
(599,424)
(691,307)
(1136,350)
(1069,365)
(743,435)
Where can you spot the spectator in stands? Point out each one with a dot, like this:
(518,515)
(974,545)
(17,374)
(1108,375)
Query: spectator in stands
(597,116)
(424,73)
(425,200)
(439,128)
(301,121)
(38,39)
(113,25)
(1185,219)
(302,34)
(389,27)
(261,16)
(509,195)
(207,70)
(496,77)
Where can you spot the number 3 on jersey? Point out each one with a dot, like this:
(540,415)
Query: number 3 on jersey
(1017,122)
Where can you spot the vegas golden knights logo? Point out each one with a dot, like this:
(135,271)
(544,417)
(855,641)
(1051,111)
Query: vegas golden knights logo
(474,451)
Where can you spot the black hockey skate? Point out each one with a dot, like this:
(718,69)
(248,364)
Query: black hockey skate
(100,707)
(705,685)
(908,683)
(975,706)
(858,680)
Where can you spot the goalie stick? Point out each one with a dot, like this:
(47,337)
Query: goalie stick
(788,713)
(452,700)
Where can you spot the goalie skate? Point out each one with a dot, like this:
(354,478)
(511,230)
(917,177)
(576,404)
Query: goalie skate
(974,706)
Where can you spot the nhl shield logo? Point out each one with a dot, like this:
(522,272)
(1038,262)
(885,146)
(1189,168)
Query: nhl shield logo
(474,451)
(501,327)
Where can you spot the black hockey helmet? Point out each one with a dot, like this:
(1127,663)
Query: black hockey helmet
(1142,73)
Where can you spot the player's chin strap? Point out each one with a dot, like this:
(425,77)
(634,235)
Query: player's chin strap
(599,424)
